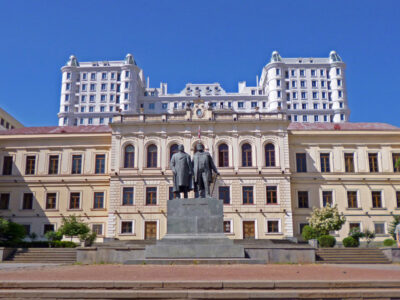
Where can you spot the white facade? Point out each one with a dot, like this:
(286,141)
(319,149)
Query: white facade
(307,89)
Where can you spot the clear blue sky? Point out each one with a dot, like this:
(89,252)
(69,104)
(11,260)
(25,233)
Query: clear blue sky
(197,41)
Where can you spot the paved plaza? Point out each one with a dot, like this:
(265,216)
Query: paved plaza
(23,272)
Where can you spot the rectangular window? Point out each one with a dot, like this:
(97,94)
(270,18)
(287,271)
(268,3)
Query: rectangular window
(396,158)
(294,95)
(302,72)
(152,106)
(74,200)
(92,76)
(313,73)
(373,162)
(227,227)
(272,195)
(315,95)
(278,82)
(151,196)
(354,226)
(127,74)
(224,194)
(248,195)
(126,227)
(327,198)
(103,76)
(51,201)
(164,105)
(325,166)
(91,98)
(53,164)
(170,193)
(352,199)
(83,98)
(92,87)
(100,163)
(376,199)
(127,196)
(293,73)
(7,165)
(103,87)
(240,104)
(30,165)
(27,201)
(272,226)
(302,197)
(278,71)
(305,118)
(380,228)
(98,200)
(302,83)
(316,118)
(349,162)
(303,95)
(293,83)
(47,228)
(4,201)
(103,98)
(98,229)
(76,164)
(301,163)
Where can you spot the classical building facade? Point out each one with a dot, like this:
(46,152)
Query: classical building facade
(310,90)
(7,121)
(273,172)
(51,172)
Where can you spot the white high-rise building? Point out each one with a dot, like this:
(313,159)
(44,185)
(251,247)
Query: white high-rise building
(307,89)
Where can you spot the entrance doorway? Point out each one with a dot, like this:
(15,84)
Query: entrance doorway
(249,230)
(150,230)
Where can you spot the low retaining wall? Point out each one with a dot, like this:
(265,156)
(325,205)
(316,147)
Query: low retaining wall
(91,255)
(6,252)
(393,254)
(296,255)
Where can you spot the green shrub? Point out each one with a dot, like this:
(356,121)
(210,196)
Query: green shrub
(326,241)
(389,242)
(350,242)
(309,233)
(73,226)
(355,233)
(63,244)
(88,238)
(52,236)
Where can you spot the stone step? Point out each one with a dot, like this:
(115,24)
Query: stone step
(200,294)
(191,261)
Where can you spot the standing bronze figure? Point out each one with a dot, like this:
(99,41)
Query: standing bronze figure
(203,166)
(181,166)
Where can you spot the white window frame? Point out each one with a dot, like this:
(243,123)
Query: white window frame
(102,228)
(133,227)
(279,226)
(322,190)
(57,200)
(69,201)
(104,199)
(231,226)
(122,195)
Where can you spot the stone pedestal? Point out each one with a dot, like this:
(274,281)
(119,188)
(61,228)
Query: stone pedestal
(194,230)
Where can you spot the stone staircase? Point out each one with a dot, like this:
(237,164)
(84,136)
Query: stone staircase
(206,289)
(351,256)
(44,255)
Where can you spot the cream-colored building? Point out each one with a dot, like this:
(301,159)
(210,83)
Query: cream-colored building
(7,121)
(351,165)
(272,172)
(50,172)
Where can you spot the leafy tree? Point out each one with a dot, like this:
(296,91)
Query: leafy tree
(73,226)
(369,236)
(88,238)
(52,236)
(309,233)
(393,224)
(326,219)
(356,234)
(11,232)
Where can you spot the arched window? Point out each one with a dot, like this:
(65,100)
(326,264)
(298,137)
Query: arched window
(269,155)
(223,155)
(129,157)
(152,156)
(246,155)
(172,150)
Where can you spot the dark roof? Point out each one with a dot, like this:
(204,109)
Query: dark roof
(58,130)
(342,126)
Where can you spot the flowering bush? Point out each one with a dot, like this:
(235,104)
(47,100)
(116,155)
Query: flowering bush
(326,219)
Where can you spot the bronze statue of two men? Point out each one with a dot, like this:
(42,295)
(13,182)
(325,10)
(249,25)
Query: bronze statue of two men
(192,175)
